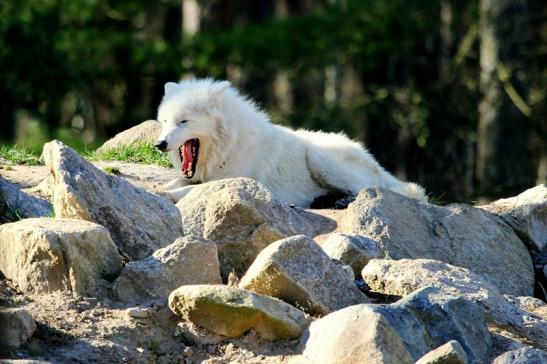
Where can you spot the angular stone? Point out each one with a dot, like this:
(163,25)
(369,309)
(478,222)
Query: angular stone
(16,327)
(232,312)
(458,234)
(354,335)
(405,330)
(353,250)
(242,217)
(402,277)
(189,260)
(147,132)
(16,204)
(296,270)
(526,214)
(526,355)
(43,255)
(138,221)
(449,353)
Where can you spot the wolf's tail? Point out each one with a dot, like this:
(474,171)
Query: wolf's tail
(411,190)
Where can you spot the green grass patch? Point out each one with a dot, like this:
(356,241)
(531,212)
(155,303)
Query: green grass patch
(143,153)
(111,170)
(20,155)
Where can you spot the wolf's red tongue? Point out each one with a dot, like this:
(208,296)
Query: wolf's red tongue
(187,159)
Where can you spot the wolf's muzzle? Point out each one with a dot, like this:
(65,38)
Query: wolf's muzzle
(161,145)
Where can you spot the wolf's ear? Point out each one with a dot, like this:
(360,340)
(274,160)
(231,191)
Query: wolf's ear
(170,87)
(217,90)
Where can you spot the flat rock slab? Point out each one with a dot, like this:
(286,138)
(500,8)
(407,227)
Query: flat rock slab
(296,270)
(232,312)
(147,132)
(242,217)
(138,221)
(148,177)
(44,255)
(189,260)
(402,277)
(526,214)
(398,333)
(459,234)
(16,327)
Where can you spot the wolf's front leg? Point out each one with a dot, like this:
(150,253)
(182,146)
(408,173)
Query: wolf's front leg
(174,183)
(177,193)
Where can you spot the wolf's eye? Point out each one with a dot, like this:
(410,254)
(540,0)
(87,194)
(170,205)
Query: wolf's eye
(183,121)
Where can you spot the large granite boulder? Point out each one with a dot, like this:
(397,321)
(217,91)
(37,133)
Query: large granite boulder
(402,277)
(43,255)
(296,270)
(458,234)
(139,222)
(402,332)
(242,217)
(526,214)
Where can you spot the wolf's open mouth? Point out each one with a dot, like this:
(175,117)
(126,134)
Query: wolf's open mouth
(189,152)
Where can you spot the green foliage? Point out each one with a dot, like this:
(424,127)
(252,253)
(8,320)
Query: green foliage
(82,70)
(143,153)
(111,170)
(19,155)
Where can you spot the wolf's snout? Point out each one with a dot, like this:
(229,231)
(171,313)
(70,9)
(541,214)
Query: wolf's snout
(161,145)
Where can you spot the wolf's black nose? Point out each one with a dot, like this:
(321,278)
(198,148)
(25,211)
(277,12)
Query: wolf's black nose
(161,145)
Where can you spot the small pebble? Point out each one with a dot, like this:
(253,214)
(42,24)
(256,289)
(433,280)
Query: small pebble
(188,351)
(137,313)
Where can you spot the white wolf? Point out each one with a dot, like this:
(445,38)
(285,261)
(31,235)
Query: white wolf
(213,132)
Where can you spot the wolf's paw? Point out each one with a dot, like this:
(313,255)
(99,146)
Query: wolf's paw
(165,194)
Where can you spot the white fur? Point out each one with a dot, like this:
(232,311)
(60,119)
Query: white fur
(237,139)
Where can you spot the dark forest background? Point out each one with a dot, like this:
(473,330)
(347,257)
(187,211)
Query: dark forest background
(449,94)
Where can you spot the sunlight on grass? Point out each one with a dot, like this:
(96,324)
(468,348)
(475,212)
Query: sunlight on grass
(20,155)
(143,153)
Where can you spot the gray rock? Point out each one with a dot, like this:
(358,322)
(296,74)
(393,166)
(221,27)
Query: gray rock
(530,304)
(242,217)
(353,335)
(297,271)
(189,260)
(43,255)
(460,235)
(526,355)
(16,204)
(353,250)
(405,276)
(232,312)
(147,132)
(449,353)
(138,221)
(526,214)
(420,322)
(16,327)
(137,313)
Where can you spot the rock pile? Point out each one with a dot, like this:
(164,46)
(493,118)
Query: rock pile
(392,280)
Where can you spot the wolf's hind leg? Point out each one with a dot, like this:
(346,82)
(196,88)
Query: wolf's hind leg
(334,174)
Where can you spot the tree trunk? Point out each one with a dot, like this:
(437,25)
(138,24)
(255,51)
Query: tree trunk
(504,163)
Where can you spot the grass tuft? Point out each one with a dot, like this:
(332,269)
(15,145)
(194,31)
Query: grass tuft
(20,155)
(111,170)
(143,153)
